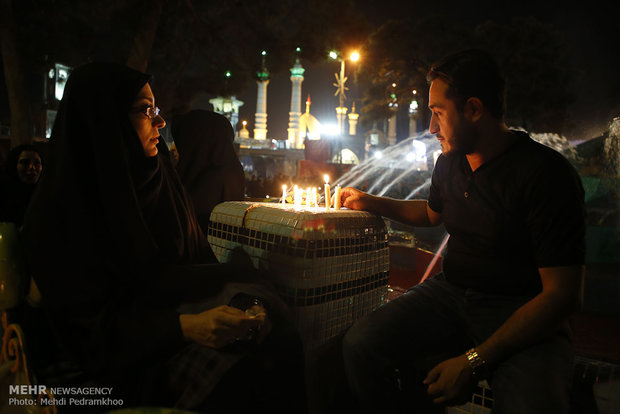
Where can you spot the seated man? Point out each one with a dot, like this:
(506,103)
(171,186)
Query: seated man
(511,277)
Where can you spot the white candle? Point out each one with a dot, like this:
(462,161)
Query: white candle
(337,198)
(327,193)
(315,198)
(296,199)
(308,201)
(284,194)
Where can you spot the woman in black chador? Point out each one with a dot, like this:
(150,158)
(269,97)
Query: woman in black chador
(208,165)
(115,249)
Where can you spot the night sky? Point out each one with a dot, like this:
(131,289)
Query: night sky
(592,30)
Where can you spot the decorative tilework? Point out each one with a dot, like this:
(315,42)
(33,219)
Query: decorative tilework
(331,267)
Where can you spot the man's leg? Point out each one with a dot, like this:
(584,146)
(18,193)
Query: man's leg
(417,329)
(534,380)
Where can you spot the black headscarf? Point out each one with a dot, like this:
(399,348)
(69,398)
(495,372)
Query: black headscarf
(15,193)
(106,224)
(208,165)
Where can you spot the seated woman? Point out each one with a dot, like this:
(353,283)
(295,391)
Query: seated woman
(208,165)
(22,172)
(115,249)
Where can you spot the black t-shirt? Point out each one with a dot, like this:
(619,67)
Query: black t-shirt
(518,212)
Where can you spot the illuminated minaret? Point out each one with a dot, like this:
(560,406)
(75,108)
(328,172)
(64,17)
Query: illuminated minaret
(392,127)
(260,117)
(393,105)
(413,110)
(297,77)
(353,117)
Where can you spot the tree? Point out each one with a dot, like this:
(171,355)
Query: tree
(534,59)
(13,72)
(531,55)
(198,42)
(399,53)
(187,45)
(140,52)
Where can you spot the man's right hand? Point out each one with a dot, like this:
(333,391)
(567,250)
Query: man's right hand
(412,212)
(219,326)
(355,199)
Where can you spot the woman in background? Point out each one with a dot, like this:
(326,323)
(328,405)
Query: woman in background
(208,165)
(22,172)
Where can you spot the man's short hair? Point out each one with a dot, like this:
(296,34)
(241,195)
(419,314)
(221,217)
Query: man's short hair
(471,73)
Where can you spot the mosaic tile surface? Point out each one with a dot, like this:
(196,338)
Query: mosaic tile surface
(331,267)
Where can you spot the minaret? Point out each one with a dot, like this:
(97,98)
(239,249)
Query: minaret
(297,77)
(243,132)
(393,105)
(309,126)
(303,127)
(353,117)
(392,128)
(260,117)
(413,110)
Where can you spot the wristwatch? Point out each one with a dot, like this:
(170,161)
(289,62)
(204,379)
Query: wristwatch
(477,364)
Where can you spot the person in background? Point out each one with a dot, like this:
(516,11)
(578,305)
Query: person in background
(208,165)
(512,274)
(22,172)
(113,244)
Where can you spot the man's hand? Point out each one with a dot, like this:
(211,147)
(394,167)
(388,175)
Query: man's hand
(451,381)
(412,212)
(355,199)
(220,326)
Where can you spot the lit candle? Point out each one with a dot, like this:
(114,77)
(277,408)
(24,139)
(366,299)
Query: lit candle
(296,198)
(308,201)
(315,198)
(337,198)
(284,194)
(327,193)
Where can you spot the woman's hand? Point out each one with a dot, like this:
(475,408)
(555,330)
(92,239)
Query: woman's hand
(222,326)
(355,199)
(264,325)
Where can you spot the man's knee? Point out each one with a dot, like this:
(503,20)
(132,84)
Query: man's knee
(537,380)
(545,400)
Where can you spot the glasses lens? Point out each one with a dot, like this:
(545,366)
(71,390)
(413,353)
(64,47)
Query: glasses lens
(152,111)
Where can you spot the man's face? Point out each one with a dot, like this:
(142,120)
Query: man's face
(453,130)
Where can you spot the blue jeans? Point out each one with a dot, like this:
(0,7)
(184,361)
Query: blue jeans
(388,353)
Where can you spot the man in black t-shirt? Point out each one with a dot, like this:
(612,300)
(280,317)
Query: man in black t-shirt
(512,274)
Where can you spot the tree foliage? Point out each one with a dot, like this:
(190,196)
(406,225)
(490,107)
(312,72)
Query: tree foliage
(192,44)
(531,54)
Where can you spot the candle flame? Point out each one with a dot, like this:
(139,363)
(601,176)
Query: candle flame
(326,178)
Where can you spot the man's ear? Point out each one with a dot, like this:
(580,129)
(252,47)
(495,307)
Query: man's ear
(474,109)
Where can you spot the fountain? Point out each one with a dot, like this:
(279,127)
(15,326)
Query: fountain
(397,165)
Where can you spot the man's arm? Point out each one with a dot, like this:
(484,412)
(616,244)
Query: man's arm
(413,212)
(560,297)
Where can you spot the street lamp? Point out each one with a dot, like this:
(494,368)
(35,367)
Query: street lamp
(341,80)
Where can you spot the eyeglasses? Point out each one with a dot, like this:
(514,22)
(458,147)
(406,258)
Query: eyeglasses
(150,111)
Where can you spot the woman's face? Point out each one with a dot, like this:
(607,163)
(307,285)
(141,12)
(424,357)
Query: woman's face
(29,167)
(144,120)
